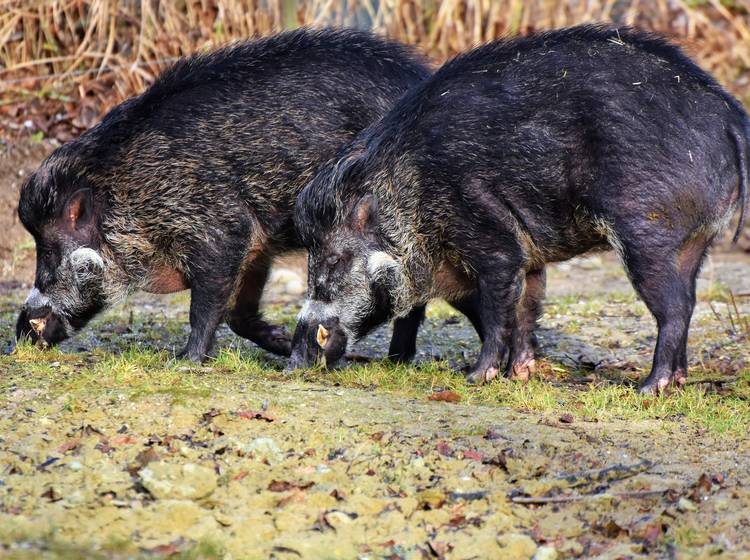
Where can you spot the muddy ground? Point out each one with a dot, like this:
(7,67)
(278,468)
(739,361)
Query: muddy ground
(109,448)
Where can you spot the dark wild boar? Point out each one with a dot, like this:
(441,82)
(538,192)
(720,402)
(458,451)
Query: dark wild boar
(514,155)
(192,184)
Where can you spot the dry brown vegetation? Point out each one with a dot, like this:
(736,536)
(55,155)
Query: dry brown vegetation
(65,62)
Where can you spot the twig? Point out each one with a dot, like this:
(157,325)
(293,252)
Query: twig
(713,380)
(578,497)
(610,474)
(740,319)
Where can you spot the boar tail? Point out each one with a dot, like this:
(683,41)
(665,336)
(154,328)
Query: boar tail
(741,143)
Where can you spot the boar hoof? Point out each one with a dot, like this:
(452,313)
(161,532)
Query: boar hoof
(278,342)
(663,385)
(522,371)
(195,357)
(679,377)
(479,377)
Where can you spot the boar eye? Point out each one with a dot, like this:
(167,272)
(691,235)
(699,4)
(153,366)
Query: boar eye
(333,260)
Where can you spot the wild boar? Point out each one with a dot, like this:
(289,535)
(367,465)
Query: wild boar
(191,185)
(520,153)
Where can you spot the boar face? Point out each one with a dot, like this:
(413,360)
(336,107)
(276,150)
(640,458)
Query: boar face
(351,284)
(69,283)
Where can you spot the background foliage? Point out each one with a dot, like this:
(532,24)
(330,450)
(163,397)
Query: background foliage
(63,63)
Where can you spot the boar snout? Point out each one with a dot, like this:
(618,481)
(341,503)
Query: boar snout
(39,323)
(23,331)
(317,340)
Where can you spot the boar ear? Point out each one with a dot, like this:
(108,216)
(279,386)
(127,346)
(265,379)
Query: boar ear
(365,213)
(79,210)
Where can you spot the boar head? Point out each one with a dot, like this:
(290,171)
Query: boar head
(353,280)
(59,209)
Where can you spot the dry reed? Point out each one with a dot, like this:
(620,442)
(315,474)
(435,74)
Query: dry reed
(83,56)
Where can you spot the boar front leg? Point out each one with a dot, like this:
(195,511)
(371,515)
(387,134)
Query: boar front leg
(208,297)
(499,290)
(212,277)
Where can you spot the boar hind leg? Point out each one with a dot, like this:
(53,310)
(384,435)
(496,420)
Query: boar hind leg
(499,289)
(244,318)
(523,361)
(470,307)
(664,276)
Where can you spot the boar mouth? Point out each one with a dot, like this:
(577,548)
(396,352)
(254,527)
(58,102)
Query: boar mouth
(42,326)
(316,342)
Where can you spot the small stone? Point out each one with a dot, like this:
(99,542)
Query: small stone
(431,499)
(517,546)
(546,553)
(295,287)
(289,279)
(223,519)
(685,505)
(180,482)
(264,448)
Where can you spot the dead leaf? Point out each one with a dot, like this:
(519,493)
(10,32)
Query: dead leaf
(566,418)
(337,495)
(142,459)
(210,415)
(445,396)
(123,440)
(256,415)
(701,488)
(439,548)
(492,435)
(295,496)
(240,475)
(611,529)
(431,499)
(88,430)
(652,533)
(104,446)
(444,449)
(285,486)
(473,455)
(70,445)
(500,460)
(168,549)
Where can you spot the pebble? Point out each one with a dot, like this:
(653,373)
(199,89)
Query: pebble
(290,281)
(546,553)
(517,546)
(181,482)
(264,448)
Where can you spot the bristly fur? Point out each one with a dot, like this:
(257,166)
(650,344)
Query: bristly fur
(194,181)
